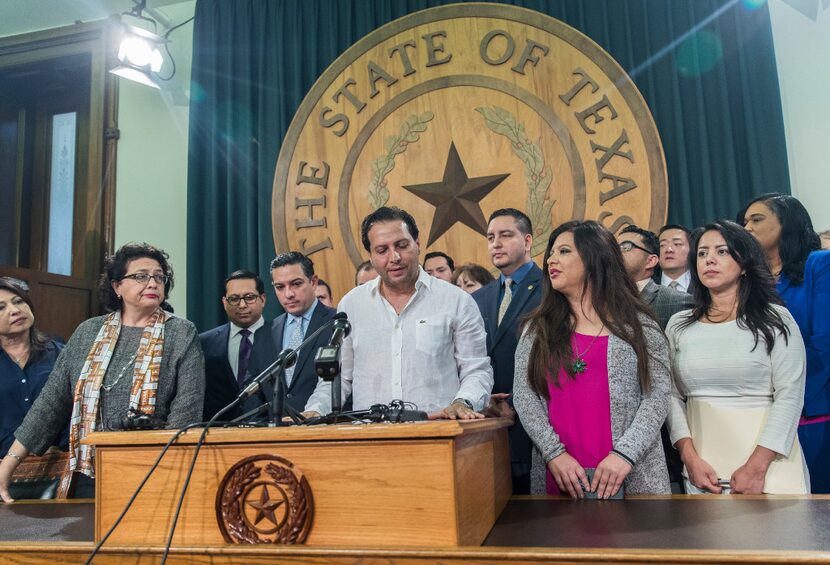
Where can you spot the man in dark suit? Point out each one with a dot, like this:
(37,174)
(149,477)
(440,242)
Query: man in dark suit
(503,303)
(640,249)
(294,281)
(227,348)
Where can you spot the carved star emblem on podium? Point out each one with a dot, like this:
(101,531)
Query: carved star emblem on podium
(456,198)
(265,507)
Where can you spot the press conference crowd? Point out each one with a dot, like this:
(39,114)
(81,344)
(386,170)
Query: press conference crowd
(684,361)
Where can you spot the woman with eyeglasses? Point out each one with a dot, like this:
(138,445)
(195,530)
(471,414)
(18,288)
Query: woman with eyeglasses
(138,359)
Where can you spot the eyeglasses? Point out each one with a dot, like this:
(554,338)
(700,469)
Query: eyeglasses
(628,245)
(234,299)
(144,278)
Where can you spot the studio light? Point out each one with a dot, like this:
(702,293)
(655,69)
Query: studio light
(139,55)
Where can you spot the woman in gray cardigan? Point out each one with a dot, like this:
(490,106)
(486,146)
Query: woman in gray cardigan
(592,382)
(137,359)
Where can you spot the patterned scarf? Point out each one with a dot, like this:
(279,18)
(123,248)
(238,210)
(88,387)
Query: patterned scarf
(88,390)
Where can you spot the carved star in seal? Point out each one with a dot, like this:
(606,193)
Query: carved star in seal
(265,507)
(456,198)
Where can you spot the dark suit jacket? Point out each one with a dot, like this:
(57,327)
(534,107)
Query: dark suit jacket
(502,340)
(221,387)
(665,302)
(268,344)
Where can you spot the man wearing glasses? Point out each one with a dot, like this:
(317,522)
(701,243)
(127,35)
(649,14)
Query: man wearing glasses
(641,251)
(228,348)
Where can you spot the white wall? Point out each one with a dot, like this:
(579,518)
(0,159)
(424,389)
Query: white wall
(802,52)
(151,182)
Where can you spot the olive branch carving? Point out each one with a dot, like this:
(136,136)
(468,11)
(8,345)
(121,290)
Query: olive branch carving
(395,145)
(537,172)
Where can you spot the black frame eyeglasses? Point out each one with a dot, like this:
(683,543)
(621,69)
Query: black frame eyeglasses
(628,245)
(144,278)
(234,299)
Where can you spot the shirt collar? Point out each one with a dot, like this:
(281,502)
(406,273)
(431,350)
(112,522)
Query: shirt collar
(642,284)
(424,281)
(683,279)
(306,317)
(252,328)
(518,274)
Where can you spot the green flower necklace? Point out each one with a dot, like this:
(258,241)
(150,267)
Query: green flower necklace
(578,365)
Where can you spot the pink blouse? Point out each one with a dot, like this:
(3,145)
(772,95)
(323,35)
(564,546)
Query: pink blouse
(580,408)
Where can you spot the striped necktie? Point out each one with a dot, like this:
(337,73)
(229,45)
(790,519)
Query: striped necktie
(508,296)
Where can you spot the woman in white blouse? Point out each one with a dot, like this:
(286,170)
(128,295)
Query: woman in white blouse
(739,373)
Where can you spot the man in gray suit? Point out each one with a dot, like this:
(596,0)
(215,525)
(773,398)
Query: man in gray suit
(641,251)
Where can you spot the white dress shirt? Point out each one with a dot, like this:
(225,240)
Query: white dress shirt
(235,340)
(683,281)
(432,353)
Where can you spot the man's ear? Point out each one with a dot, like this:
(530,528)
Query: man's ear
(652,262)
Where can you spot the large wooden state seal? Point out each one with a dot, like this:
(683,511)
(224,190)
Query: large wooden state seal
(264,499)
(454,112)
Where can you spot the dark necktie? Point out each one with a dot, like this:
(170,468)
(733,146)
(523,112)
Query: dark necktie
(245,348)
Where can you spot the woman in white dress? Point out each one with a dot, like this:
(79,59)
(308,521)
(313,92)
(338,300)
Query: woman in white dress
(739,373)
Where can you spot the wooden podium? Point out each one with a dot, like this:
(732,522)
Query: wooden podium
(419,484)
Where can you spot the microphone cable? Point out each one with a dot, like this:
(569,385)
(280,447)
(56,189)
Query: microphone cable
(100,544)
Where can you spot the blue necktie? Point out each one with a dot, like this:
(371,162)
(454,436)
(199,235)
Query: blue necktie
(293,343)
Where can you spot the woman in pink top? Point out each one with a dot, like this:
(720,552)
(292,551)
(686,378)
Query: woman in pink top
(592,381)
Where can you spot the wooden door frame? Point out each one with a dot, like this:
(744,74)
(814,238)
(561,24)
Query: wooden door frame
(96,40)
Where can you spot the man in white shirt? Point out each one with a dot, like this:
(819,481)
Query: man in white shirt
(674,257)
(227,348)
(414,337)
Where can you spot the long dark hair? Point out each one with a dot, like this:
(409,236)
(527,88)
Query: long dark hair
(614,298)
(756,289)
(798,238)
(38,341)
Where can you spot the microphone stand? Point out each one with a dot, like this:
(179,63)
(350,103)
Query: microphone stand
(277,405)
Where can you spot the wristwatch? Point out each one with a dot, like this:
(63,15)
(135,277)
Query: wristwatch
(464,402)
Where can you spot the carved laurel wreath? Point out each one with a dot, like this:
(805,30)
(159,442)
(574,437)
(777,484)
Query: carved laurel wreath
(537,172)
(235,528)
(395,145)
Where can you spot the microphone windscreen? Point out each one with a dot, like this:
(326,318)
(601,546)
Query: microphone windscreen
(340,316)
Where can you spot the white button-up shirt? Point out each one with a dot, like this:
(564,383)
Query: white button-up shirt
(683,281)
(432,353)
(235,341)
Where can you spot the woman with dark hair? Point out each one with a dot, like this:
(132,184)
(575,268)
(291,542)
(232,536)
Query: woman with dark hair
(138,359)
(471,277)
(592,380)
(738,373)
(785,231)
(27,356)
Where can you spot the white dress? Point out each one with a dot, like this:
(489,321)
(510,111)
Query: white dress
(729,395)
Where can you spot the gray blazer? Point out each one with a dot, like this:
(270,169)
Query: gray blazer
(635,417)
(181,385)
(665,301)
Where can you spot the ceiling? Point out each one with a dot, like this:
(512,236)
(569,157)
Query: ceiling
(21,16)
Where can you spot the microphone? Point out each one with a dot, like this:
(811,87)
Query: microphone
(327,360)
(286,358)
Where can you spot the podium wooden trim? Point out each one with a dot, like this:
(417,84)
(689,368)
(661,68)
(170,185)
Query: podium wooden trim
(418,484)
